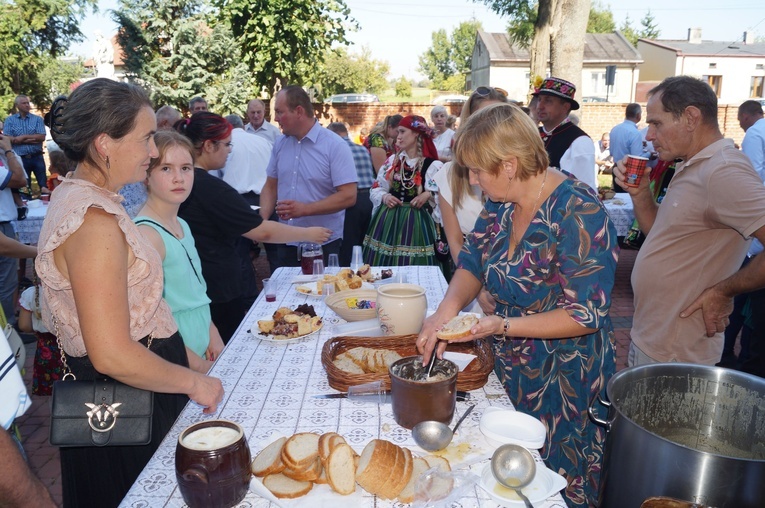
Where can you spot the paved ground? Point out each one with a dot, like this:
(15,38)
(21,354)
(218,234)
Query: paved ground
(44,458)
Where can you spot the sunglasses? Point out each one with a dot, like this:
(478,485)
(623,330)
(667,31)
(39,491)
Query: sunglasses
(484,91)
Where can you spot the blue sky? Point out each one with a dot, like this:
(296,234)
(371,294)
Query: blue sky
(398,31)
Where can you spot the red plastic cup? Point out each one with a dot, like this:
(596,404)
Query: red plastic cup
(634,169)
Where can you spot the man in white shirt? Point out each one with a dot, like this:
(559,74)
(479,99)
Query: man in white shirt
(569,147)
(604,162)
(245,168)
(256,114)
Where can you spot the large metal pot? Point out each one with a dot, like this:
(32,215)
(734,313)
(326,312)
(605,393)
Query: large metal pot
(691,432)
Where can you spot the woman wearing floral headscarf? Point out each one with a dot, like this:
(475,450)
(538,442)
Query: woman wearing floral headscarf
(402,231)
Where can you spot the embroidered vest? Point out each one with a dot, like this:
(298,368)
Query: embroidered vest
(557,142)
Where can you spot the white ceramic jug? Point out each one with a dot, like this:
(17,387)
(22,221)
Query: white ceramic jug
(401,308)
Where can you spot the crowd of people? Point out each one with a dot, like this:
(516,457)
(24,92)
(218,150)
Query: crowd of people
(145,267)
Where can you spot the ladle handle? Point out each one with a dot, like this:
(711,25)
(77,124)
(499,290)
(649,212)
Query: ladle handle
(525,499)
(462,418)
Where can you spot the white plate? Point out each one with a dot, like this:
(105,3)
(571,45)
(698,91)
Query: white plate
(546,483)
(311,290)
(270,338)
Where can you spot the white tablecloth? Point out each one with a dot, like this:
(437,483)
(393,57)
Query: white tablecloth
(620,210)
(28,230)
(269,391)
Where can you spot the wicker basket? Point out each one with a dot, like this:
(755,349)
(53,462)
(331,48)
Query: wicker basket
(336,302)
(473,377)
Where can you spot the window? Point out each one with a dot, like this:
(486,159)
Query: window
(713,66)
(598,85)
(756,88)
(759,67)
(715,82)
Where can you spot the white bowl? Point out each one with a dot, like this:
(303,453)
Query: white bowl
(509,426)
(546,483)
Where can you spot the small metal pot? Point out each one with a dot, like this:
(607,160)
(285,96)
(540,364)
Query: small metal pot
(415,400)
(690,432)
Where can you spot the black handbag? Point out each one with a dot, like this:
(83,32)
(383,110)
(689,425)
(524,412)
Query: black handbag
(101,412)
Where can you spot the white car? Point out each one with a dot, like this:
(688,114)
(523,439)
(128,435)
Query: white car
(450,99)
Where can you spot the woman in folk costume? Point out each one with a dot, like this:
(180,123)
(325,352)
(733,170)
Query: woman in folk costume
(402,231)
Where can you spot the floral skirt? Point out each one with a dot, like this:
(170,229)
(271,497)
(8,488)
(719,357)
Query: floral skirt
(400,236)
(47,365)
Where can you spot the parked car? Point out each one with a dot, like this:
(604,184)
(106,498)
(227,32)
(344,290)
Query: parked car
(594,98)
(344,98)
(450,99)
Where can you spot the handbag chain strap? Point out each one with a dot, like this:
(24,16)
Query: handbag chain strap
(68,374)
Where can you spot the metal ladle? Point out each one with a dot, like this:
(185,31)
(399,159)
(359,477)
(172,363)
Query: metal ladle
(433,436)
(514,467)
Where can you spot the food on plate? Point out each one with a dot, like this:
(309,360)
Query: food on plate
(383,469)
(364,360)
(457,327)
(289,324)
(365,272)
(343,281)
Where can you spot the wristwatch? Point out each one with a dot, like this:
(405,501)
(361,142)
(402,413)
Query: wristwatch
(9,150)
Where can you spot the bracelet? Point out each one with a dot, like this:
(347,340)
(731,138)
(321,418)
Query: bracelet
(9,151)
(506,325)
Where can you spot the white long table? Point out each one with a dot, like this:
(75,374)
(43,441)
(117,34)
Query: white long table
(28,230)
(269,390)
(621,212)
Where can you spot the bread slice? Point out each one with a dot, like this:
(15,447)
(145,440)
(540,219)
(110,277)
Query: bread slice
(398,483)
(266,325)
(269,460)
(325,444)
(301,451)
(322,479)
(457,327)
(440,487)
(341,471)
(286,488)
(336,440)
(347,365)
(387,489)
(309,474)
(375,464)
(419,466)
(439,462)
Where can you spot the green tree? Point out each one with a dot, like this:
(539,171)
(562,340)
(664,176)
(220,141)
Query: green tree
(345,72)
(648,30)
(32,32)
(601,20)
(176,52)
(403,87)
(449,55)
(286,41)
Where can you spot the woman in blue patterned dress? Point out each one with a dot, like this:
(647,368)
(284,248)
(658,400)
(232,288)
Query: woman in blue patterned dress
(546,250)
